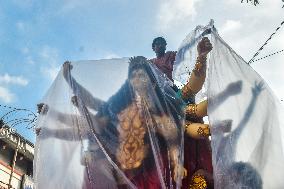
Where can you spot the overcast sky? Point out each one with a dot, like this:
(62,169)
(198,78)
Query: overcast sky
(36,37)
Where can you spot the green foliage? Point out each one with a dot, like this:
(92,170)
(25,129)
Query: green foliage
(255,2)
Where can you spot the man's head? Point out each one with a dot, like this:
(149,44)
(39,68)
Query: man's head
(243,175)
(159,45)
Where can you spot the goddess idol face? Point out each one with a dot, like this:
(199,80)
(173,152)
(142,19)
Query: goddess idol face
(140,81)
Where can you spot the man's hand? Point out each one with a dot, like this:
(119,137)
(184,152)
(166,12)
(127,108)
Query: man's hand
(204,47)
(66,68)
(234,88)
(37,131)
(42,108)
(44,132)
(74,101)
(258,87)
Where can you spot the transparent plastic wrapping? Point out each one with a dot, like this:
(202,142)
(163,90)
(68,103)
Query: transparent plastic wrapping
(109,124)
(119,124)
(244,116)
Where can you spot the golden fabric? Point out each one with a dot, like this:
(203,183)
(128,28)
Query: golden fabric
(132,149)
(198,182)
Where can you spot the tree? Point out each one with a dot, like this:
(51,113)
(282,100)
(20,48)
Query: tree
(255,2)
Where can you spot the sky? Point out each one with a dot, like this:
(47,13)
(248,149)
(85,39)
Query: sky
(36,37)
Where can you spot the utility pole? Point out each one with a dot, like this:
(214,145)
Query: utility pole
(14,163)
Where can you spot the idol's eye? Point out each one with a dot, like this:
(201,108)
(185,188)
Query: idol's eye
(134,74)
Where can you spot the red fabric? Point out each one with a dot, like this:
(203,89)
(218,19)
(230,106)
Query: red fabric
(148,178)
(197,155)
(165,63)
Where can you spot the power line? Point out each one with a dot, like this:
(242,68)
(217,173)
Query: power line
(13,116)
(267,56)
(261,48)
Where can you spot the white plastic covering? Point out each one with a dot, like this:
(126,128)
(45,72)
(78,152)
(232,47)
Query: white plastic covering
(83,144)
(244,115)
(122,130)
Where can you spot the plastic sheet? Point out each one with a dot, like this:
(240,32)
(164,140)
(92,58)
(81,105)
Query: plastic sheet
(244,116)
(115,124)
(109,124)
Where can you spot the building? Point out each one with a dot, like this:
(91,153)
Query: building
(16,160)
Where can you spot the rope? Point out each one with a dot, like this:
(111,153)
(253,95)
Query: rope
(261,48)
(267,56)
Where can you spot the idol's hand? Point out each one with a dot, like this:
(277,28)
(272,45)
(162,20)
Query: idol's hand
(204,47)
(66,68)
(179,170)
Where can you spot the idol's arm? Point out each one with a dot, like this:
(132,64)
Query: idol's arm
(197,110)
(196,79)
(198,75)
(85,95)
(167,128)
(197,130)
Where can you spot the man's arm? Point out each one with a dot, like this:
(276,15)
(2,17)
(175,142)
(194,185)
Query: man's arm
(67,119)
(70,134)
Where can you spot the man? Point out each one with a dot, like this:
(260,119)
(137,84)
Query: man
(164,60)
(197,159)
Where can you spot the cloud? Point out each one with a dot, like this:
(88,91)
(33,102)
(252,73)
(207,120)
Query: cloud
(20,26)
(16,80)
(28,55)
(30,60)
(50,62)
(175,12)
(247,31)
(111,55)
(24,4)
(6,96)
(69,6)
(243,26)
(25,50)
(230,26)
(50,72)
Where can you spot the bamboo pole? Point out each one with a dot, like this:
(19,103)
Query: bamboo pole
(14,163)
